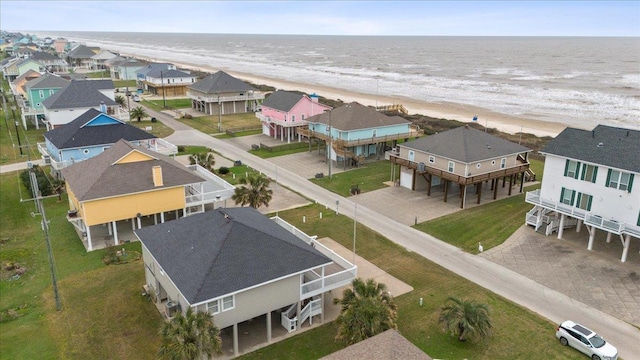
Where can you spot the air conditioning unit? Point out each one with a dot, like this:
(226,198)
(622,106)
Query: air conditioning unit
(47,159)
(171,308)
(421,167)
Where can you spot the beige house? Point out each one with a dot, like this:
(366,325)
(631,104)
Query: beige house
(238,265)
(221,93)
(464,157)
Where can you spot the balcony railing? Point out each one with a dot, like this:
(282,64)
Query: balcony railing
(160,146)
(213,190)
(223,98)
(460,179)
(280,122)
(610,225)
(414,131)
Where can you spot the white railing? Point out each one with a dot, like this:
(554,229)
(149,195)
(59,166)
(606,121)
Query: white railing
(533,197)
(312,309)
(288,320)
(270,120)
(52,161)
(327,283)
(214,189)
(222,99)
(161,146)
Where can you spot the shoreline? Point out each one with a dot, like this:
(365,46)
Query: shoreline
(450,111)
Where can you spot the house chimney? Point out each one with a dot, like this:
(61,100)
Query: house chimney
(314,97)
(157,175)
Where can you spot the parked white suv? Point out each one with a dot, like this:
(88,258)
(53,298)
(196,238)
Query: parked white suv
(586,341)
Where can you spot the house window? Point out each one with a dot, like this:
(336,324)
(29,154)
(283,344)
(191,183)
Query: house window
(619,180)
(584,201)
(503,163)
(213,307)
(293,118)
(85,151)
(567,196)
(411,155)
(478,165)
(285,119)
(493,162)
(302,117)
(452,166)
(589,173)
(373,133)
(51,91)
(228,303)
(432,159)
(571,168)
(41,92)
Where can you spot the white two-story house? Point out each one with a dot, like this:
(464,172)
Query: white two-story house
(588,180)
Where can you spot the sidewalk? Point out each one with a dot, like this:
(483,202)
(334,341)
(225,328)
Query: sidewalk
(18,166)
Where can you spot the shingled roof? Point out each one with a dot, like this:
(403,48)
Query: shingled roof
(355,116)
(81,52)
(388,345)
(100,176)
(282,100)
(465,144)
(79,133)
(41,55)
(219,252)
(79,94)
(606,145)
(220,82)
(47,81)
(157,73)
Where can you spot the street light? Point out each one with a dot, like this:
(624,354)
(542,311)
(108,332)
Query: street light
(219,114)
(330,146)
(164,100)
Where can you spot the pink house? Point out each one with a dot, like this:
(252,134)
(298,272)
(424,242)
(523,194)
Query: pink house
(282,112)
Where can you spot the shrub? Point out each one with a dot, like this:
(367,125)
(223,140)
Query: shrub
(181,148)
(43,182)
(223,170)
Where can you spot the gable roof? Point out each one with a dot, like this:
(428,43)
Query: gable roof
(81,52)
(77,134)
(47,81)
(79,94)
(32,74)
(388,345)
(220,82)
(130,63)
(465,144)
(104,55)
(355,116)
(26,61)
(154,66)
(282,100)
(620,147)
(228,254)
(100,176)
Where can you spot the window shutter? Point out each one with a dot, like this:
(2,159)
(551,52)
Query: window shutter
(562,195)
(595,174)
(566,167)
(630,182)
(584,171)
(573,196)
(589,203)
(575,176)
(608,178)
(578,199)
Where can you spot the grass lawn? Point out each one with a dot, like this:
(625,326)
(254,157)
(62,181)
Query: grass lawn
(158,128)
(123,83)
(280,150)
(103,314)
(171,103)
(528,337)
(104,74)
(190,150)
(369,177)
(236,173)
(209,124)
(239,133)
(9,150)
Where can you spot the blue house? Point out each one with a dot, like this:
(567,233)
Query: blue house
(90,134)
(354,132)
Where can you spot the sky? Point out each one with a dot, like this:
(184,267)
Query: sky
(429,18)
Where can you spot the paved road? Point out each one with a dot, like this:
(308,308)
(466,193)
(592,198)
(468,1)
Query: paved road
(513,286)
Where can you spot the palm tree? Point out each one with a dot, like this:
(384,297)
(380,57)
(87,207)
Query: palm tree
(204,159)
(120,100)
(466,319)
(138,112)
(189,336)
(367,310)
(256,191)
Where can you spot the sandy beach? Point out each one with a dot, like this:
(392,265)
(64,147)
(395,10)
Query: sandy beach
(451,111)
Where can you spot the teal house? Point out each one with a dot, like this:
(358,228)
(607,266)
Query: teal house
(354,132)
(39,89)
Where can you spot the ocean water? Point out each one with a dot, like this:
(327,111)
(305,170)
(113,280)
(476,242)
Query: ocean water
(577,81)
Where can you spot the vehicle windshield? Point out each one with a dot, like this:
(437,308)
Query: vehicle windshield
(597,341)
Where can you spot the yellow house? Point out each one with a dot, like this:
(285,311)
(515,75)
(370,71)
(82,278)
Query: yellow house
(127,183)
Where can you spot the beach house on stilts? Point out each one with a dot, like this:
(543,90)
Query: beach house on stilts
(589,180)
(240,267)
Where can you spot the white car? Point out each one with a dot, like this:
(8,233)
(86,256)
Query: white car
(136,98)
(586,341)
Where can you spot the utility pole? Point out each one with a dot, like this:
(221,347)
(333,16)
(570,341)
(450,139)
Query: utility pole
(219,114)
(45,227)
(13,113)
(330,145)
(164,100)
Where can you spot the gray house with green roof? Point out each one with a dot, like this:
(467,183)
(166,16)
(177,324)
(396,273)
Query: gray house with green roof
(589,180)
(221,93)
(464,157)
(240,266)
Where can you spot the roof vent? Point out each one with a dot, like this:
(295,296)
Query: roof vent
(600,144)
